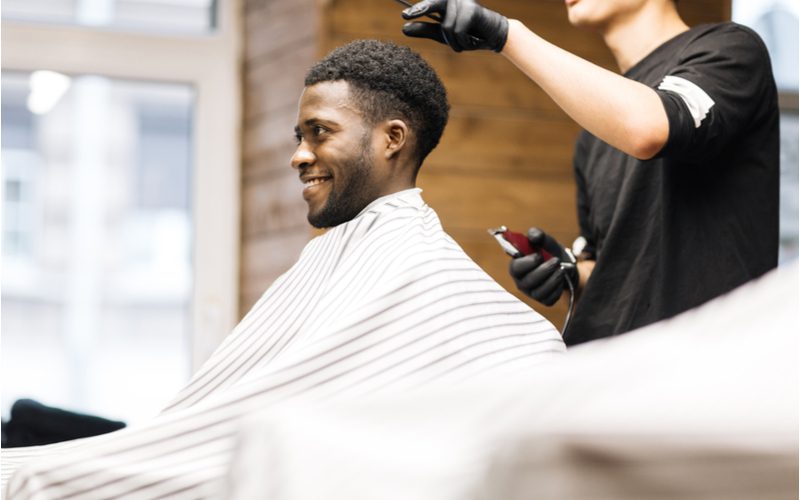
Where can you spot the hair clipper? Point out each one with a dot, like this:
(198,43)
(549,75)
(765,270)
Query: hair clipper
(516,244)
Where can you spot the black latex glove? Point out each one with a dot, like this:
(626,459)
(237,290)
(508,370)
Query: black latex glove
(542,280)
(466,25)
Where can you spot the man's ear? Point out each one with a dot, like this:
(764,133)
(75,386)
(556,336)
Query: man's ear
(397,137)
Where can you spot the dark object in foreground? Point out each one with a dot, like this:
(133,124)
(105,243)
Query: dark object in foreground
(33,423)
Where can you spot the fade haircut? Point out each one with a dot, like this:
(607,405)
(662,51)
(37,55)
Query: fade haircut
(388,82)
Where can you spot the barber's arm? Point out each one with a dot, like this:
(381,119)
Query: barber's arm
(626,114)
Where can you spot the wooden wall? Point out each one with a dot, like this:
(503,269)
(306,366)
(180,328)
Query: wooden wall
(281,43)
(505,157)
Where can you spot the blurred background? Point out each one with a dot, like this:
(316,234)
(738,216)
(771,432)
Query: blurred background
(147,198)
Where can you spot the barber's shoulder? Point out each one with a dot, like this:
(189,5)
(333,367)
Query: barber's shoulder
(748,36)
(732,34)
(735,42)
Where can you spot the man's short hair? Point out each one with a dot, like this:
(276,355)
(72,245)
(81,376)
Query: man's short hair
(389,82)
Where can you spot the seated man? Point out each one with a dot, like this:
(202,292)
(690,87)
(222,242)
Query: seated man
(385,299)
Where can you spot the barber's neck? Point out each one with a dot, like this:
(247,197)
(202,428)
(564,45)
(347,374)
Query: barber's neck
(631,38)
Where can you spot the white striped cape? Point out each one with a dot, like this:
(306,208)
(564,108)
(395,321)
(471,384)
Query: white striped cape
(386,301)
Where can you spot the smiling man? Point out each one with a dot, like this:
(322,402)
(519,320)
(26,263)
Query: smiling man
(363,131)
(339,155)
(385,300)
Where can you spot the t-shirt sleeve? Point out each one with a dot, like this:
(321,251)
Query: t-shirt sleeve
(715,92)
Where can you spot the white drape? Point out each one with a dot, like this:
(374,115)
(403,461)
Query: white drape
(701,406)
(387,300)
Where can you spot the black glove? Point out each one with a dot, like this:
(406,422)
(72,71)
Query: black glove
(542,280)
(466,25)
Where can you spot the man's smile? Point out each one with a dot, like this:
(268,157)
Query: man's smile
(312,183)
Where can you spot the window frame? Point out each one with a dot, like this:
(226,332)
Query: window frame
(211,65)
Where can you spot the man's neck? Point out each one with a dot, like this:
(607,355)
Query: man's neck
(633,37)
(396,186)
(403,176)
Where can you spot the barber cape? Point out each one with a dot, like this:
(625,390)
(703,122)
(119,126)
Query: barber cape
(386,301)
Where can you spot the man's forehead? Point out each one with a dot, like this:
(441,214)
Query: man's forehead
(333,95)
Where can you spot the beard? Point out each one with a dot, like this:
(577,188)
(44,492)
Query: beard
(356,192)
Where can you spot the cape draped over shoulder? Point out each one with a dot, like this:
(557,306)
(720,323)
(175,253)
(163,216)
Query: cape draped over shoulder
(386,301)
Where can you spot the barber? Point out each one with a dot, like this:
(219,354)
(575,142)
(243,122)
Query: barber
(677,168)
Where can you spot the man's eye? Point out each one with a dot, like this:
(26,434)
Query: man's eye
(318,130)
(298,138)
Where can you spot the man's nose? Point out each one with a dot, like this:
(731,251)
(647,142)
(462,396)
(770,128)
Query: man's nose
(302,157)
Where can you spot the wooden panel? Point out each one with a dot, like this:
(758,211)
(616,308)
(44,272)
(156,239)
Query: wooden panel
(468,205)
(696,12)
(351,19)
(265,259)
(273,204)
(281,43)
(269,162)
(481,202)
(381,19)
(276,25)
(272,84)
(509,145)
(270,132)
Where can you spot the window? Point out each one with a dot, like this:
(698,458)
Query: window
(97,283)
(165,16)
(120,193)
(777,23)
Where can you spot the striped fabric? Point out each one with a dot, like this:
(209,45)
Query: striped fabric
(385,301)
(703,406)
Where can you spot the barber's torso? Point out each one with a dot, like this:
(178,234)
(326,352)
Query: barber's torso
(698,220)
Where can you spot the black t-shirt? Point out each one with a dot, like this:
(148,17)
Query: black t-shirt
(702,217)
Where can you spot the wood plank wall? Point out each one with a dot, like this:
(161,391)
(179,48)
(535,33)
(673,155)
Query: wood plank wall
(281,43)
(505,157)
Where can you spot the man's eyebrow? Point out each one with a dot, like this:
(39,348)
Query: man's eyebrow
(315,120)
(298,132)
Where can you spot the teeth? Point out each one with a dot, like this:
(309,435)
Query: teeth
(314,182)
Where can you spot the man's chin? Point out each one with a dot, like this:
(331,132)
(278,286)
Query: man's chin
(313,220)
(317,214)
(331,216)
(321,219)
(315,223)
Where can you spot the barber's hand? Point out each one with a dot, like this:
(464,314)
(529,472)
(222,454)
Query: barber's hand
(542,280)
(466,25)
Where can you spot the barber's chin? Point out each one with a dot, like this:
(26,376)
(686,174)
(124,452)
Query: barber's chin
(575,19)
